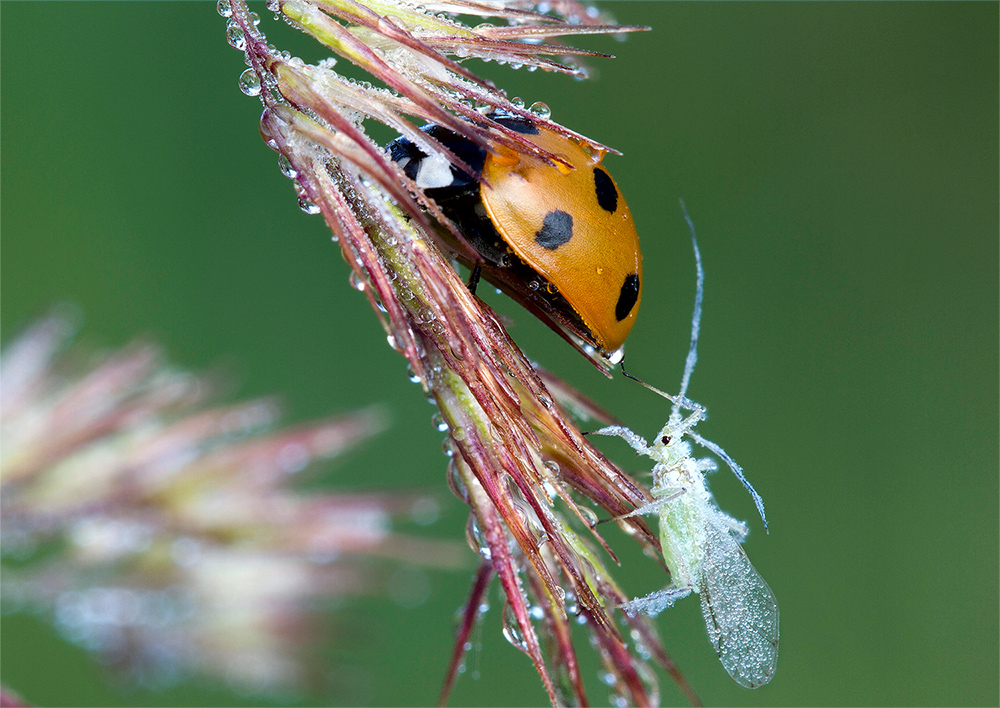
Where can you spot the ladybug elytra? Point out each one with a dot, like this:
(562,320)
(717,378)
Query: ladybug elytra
(558,238)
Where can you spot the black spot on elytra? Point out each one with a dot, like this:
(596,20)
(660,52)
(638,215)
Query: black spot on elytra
(627,297)
(556,230)
(607,195)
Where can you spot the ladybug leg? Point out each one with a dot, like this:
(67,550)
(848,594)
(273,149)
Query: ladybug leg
(474,278)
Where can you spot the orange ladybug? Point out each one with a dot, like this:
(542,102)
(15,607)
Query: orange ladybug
(559,239)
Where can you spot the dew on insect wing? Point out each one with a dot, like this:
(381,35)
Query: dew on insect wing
(307,206)
(224,8)
(286,167)
(552,289)
(235,36)
(540,110)
(545,399)
(462,51)
(534,285)
(250,83)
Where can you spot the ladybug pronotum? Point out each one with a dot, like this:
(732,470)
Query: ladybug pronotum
(559,239)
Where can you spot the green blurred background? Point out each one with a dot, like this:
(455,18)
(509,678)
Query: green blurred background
(840,163)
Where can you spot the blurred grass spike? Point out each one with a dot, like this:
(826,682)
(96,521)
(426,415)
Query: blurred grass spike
(168,537)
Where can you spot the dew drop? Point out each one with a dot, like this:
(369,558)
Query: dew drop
(455,482)
(589,515)
(437,420)
(476,539)
(356,281)
(224,8)
(541,110)
(307,206)
(235,36)
(250,83)
(512,630)
(517,102)
(286,167)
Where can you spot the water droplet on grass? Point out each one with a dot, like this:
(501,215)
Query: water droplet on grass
(250,83)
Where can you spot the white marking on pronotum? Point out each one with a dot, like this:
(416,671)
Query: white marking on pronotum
(701,543)
(434,171)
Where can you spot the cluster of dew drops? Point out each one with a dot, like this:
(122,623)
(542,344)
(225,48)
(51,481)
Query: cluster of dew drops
(250,84)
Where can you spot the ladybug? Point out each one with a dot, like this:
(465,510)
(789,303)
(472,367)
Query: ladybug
(561,240)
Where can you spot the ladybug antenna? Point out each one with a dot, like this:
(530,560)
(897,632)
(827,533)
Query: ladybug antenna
(643,383)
